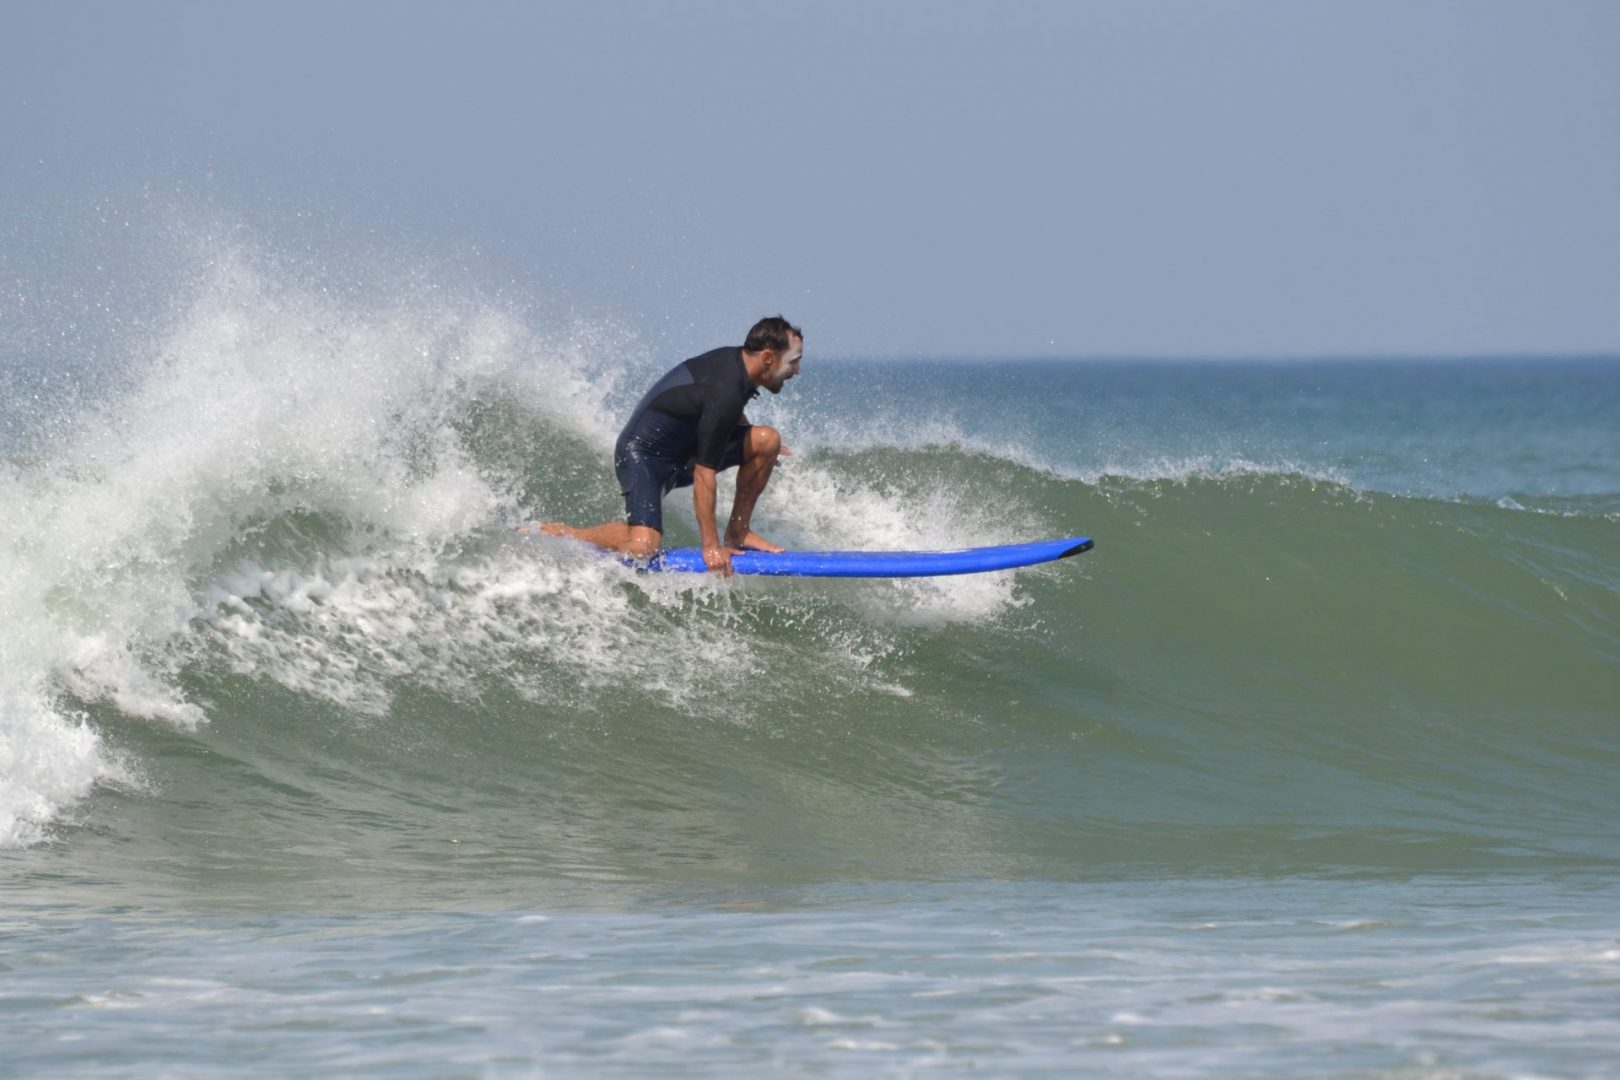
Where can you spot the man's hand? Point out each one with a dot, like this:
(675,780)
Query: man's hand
(717,557)
(716,554)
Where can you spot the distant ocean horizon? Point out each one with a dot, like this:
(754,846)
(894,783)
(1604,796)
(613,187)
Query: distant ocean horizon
(1525,357)
(310,765)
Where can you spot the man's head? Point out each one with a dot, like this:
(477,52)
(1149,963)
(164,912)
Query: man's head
(778,345)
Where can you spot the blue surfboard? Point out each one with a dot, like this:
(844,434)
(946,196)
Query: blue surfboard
(877,564)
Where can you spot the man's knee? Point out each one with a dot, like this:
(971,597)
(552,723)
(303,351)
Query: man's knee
(644,542)
(764,441)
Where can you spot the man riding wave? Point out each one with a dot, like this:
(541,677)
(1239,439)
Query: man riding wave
(689,427)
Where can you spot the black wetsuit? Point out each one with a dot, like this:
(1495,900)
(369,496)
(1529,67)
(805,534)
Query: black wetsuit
(692,416)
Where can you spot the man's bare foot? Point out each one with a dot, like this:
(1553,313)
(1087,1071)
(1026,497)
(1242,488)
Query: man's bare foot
(752,541)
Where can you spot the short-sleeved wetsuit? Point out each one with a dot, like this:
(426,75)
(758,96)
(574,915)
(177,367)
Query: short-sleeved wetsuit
(692,416)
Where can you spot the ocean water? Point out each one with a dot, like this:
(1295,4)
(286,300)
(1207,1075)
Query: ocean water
(310,766)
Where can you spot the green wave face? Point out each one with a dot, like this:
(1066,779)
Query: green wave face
(1252,673)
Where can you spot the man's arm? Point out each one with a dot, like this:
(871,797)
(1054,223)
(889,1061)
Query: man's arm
(715,554)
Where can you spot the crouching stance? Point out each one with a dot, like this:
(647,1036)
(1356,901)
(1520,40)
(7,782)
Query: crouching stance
(689,427)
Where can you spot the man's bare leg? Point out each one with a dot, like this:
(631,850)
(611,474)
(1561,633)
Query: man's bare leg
(637,541)
(760,454)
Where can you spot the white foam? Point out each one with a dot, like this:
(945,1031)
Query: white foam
(262,397)
(819,508)
(815,1016)
(551,629)
(48,762)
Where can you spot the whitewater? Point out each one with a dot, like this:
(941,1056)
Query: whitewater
(1308,767)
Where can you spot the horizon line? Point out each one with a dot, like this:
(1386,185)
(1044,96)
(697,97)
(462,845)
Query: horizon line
(1162,358)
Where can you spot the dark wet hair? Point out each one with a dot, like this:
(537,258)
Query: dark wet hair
(772,332)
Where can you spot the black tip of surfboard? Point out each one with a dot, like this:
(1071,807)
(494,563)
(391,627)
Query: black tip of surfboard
(1084,545)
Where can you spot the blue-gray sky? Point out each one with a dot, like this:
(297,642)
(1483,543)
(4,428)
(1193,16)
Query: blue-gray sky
(905,178)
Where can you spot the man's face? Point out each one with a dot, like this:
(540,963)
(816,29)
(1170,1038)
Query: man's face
(785,367)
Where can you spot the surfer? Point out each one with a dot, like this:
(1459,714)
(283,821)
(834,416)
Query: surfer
(691,426)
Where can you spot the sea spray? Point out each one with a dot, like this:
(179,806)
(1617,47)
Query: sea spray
(263,402)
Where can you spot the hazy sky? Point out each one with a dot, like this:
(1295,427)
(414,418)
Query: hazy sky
(930,178)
